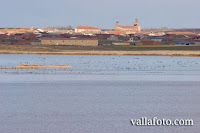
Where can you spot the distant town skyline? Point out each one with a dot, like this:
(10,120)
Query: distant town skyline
(101,14)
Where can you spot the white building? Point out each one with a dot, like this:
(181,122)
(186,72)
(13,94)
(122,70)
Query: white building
(87,29)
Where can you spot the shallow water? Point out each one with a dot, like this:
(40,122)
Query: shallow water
(98,94)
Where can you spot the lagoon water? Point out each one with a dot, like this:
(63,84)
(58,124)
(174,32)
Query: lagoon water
(98,94)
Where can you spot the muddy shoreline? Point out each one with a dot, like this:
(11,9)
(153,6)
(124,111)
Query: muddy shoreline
(113,53)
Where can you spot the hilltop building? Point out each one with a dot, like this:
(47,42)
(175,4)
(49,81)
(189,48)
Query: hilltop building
(181,33)
(155,33)
(87,29)
(129,29)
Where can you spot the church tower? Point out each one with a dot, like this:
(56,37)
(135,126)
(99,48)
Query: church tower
(135,28)
(138,27)
(136,22)
(117,25)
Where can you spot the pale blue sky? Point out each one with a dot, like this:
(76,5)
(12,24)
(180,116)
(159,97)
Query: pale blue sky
(101,13)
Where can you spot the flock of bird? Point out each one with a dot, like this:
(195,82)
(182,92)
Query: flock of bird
(110,66)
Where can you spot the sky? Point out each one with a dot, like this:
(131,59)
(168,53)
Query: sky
(100,13)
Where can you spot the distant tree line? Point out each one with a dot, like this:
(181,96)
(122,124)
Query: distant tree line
(69,27)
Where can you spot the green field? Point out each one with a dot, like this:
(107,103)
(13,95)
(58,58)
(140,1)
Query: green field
(131,48)
(39,48)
